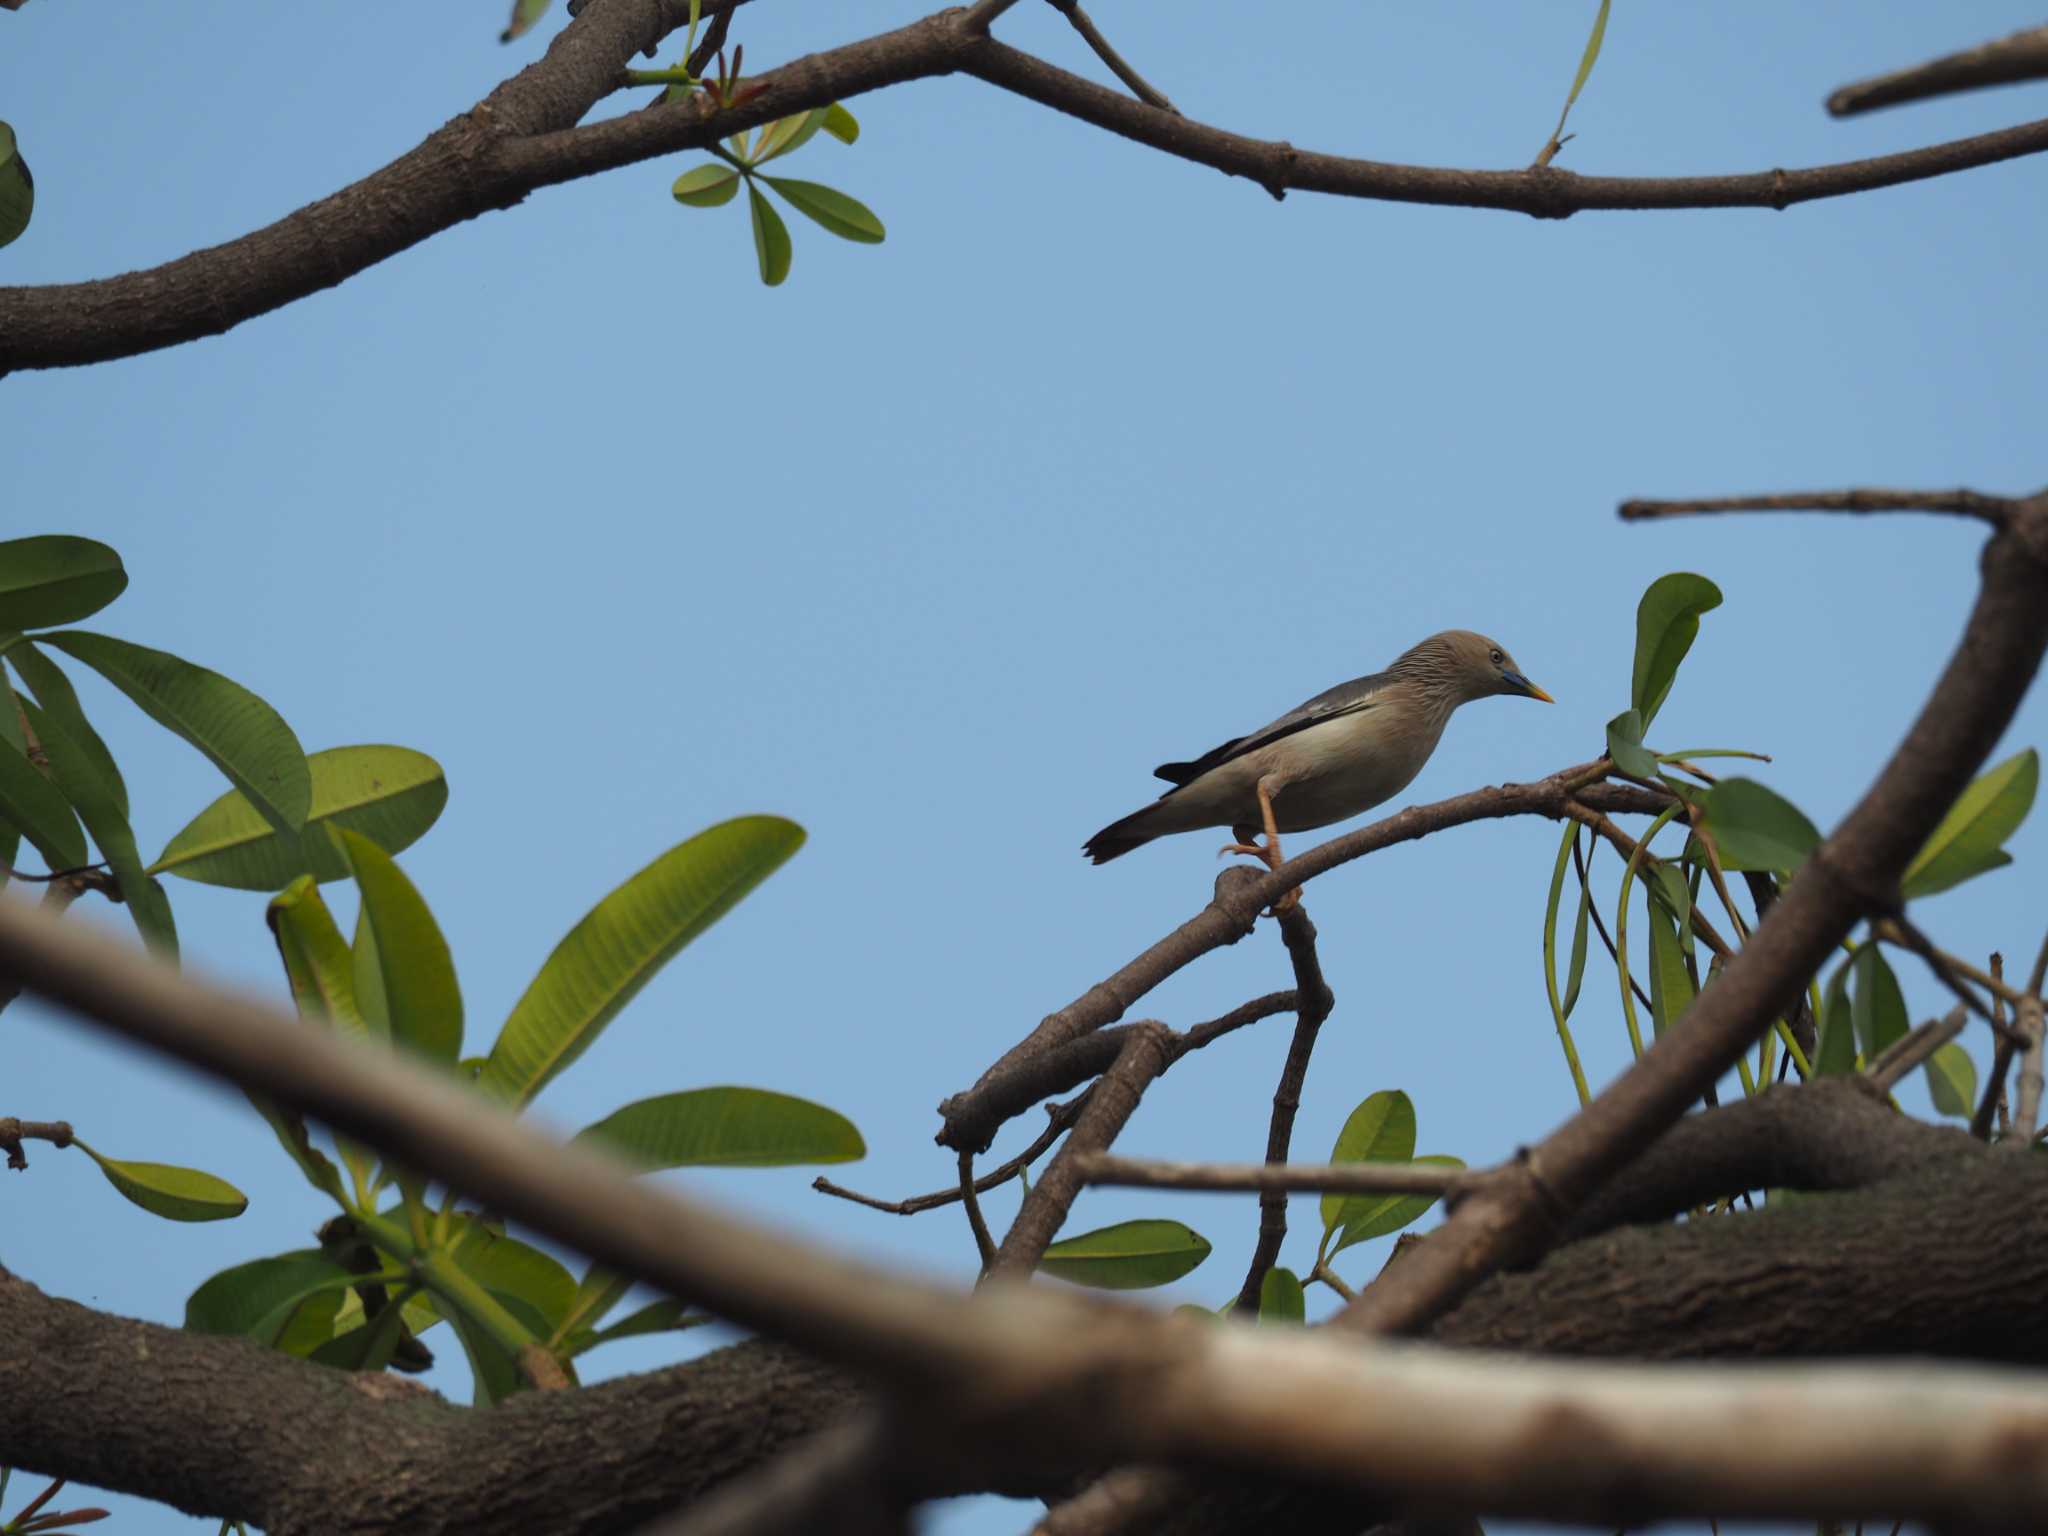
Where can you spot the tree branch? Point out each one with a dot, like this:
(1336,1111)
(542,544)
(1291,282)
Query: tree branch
(1092,36)
(2008,61)
(1957,503)
(1253,1178)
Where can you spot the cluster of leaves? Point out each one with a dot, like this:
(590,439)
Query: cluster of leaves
(288,824)
(1740,826)
(1135,1255)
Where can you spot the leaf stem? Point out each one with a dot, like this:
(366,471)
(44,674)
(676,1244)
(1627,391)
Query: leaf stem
(1564,1033)
(1628,876)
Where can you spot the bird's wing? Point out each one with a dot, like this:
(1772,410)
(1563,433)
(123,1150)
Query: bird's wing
(1361,693)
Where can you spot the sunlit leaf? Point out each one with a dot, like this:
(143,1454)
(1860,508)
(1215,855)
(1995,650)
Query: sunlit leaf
(391,795)
(626,938)
(1757,828)
(237,732)
(1952,1081)
(17,188)
(1974,831)
(316,958)
(726,1128)
(787,134)
(176,1194)
(53,690)
(1667,620)
(1281,1299)
(1130,1256)
(54,578)
(840,124)
(1877,1008)
(1625,746)
(422,1003)
(1380,1130)
(706,186)
(37,809)
(1589,56)
(844,216)
(771,237)
(1366,1217)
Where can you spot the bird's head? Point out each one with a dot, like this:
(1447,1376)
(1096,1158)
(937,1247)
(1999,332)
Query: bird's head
(1468,666)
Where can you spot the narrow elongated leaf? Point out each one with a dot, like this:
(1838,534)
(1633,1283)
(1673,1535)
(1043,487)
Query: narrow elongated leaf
(1591,53)
(1380,1130)
(79,778)
(422,1003)
(1130,1256)
(1576,973)
(771,237)
(316,958)
(1952,1081)
(1836,1052)
(615,951)
(1671,990)
(237,732)
(841,124)
(1369,1216)
(1281,1299)
(1625,746)
(53,690)
(54,578)
(366,971)
(259,1298)
(390,795)
(176,1194)
(706,186)
(33,806)
(1877,1008)
(1757,828)
(1667,620)
(17,188)
(290,1130)
(726,1128)
(846,217)
(656,1317)
(787,134)
(1976,827)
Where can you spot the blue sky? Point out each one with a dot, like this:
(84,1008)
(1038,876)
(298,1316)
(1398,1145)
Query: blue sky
(938,548)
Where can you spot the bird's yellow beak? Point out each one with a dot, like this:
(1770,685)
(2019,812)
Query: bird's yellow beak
(1537,693)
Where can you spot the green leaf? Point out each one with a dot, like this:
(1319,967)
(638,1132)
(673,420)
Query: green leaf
(290,1130)
(317,961)
(176,1194)
(509,1268)
(771,237)
(788,134)
(17,188)
(627,937)
(237,732)
(1877,1008)
(1671,990)
(844,216)
(1976,827)
(655,1317)
(1952,1081)
(706,186)
(840,124)
(390,795)
(55,693)
(524,14)
(1281,1299)
(1130,1256)
(1836,1052)
(54,578)
(491,1367)
(1380,1130)
(1576,972)
(1586,60)
(1369,1216)
(1668,618)
(32,805)
(1756,828)
(259,1298)
(10,845)
(79,778)
(726,1128)
(422,1003)
(1625,746)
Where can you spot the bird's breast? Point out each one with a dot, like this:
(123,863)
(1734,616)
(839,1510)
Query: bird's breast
(1347,765)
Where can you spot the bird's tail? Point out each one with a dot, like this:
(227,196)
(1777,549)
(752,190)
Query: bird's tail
(1120,837)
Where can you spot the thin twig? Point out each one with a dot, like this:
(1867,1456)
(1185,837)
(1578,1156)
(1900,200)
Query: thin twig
(984,1245)
(1316,1001)
(2028,1108)
(983,14)
(1255,1178)
(1906,1053)
(2008,61)
(1600,926)
(1058,1118)
(1092,36)
(2039,974)
(1957,503)
(1900,929)
(2001,1063)
(14,1132)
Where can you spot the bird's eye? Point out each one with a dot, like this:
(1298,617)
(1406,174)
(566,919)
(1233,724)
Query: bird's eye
(1495,656)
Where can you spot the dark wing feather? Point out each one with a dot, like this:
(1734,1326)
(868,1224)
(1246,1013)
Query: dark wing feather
(1344,699)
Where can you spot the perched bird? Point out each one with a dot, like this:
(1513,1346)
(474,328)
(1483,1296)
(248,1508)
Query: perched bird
(1342,752)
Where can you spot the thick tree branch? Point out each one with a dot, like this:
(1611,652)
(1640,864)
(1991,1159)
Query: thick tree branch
(2008,61)
(523,137)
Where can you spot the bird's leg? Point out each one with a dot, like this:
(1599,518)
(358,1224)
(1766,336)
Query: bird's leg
(1268,853)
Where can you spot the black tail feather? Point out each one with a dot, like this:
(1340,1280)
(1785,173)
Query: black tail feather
(1118,838)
